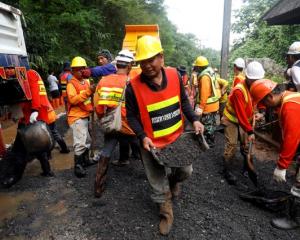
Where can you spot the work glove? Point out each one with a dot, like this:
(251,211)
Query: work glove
(279,175)
(198,111)
(86,73)
(33,117)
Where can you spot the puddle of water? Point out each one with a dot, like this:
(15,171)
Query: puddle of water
(9,203)
(9,133)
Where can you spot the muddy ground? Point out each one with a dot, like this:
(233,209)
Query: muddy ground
(63,207)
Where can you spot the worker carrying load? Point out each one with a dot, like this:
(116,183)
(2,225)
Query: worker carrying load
(293,61)
(238,119)
(271,95)
(79,92)
(22,150)
(208,97)
(155,104)
(238,71)
(109,100)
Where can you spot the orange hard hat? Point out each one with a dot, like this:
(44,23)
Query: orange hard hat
(261,88)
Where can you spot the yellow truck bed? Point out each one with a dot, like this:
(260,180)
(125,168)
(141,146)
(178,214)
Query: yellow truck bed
(134,32)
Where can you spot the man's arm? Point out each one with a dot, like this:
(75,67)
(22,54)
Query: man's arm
(291,132)
(104,70)
(239,104)
(296,77)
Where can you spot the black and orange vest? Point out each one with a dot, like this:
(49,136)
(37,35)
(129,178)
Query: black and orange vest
(63,82)
(87,104)
(160,112)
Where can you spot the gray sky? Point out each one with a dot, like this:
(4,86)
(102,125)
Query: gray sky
(203,18)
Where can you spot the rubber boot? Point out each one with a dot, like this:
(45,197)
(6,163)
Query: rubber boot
(63,146)
(87,161)
(289,222)
(43,158)
(228,174)
(79,170)
(166,216)
(101,175)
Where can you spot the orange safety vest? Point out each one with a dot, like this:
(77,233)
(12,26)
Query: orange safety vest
(290,97)
(63,83)
(87,104)
(111,92)
(229,111)
(160,112)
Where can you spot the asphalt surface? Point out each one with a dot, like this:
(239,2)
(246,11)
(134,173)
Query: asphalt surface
(63,207)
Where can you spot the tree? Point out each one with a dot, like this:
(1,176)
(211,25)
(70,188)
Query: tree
(259,40)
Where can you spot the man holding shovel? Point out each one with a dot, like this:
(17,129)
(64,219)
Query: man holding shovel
(155,104)
(238,119)
(271,95)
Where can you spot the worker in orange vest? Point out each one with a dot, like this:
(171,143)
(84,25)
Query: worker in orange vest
(64,78)
(155,104)
(238,68)
(34,110)
(79,93)
(209,95)
(238,118)
(109,94)
(272,95)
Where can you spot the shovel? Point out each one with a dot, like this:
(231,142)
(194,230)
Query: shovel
(250,166)
(201,140)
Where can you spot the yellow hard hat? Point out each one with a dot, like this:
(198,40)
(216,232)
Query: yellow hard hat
(147,47)
(78,62)
(201,62)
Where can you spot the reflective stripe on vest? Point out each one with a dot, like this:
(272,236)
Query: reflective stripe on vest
(209,72)
(229,112)
(110,96)
(42,89)
(165,116)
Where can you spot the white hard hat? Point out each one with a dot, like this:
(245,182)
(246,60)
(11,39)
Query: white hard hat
(255,70)
(239,62)
(294,48)
(125,56)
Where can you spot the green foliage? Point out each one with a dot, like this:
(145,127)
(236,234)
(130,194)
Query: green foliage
(59,30)
(259,40)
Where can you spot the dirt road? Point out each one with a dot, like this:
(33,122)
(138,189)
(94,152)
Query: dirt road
(63,207)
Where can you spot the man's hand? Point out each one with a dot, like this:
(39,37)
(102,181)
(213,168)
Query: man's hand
(147,143)
(251,137)
(86,73)
(279,175)
(93,87)
(198,111)
(198,127)
(33,117)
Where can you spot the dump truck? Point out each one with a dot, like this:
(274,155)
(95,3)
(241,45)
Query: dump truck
(14,86)
(132,34)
